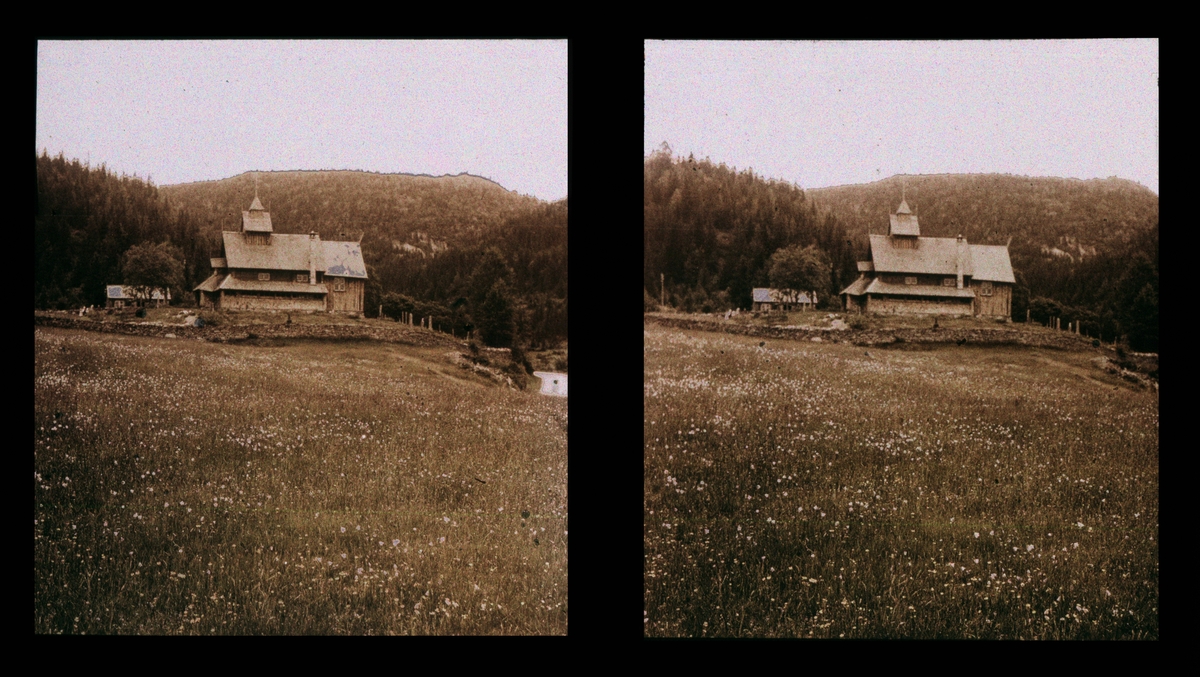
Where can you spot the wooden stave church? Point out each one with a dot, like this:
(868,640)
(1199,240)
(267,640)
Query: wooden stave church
(910,274)
(260,269)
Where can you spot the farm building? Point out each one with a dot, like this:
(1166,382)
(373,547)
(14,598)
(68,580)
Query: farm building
(781,299)
(911,274)
(260,269)
(122,296)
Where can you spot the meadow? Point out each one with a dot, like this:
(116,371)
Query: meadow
(797,489)
(185,487)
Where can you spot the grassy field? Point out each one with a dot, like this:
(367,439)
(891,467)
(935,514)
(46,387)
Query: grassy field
(183,487)
(796,489)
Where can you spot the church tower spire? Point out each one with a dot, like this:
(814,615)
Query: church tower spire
(256,206)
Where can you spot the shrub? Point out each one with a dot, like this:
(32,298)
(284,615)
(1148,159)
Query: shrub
(649,303)
(775,316)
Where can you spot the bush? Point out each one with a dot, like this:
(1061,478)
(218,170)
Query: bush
(1095,343)
(560,364)
(517,372)
(141,312)
(649,303)
(856,321)
(517,355)
(775,316)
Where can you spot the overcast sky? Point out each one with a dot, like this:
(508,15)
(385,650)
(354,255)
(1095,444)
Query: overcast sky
(201,110)
(830,113)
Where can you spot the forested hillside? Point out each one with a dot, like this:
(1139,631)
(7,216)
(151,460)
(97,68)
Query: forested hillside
(384,206)
(1081,250)
(439,247)
(710,230)
(87,218)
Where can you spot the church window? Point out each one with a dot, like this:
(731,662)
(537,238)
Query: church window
(265,277)
(910,280)
(302,277)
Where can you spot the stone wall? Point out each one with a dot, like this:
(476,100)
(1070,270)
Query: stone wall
(1007,335)
(398,333)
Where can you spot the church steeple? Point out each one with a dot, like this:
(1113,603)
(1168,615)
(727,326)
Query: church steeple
(256,219)
(904,224)
(256,205)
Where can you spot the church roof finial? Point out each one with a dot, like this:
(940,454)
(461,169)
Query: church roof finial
(256,205)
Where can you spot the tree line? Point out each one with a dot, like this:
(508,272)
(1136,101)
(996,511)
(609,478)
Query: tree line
(710,232)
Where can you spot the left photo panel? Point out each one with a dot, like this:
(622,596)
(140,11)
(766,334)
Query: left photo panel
(300,338)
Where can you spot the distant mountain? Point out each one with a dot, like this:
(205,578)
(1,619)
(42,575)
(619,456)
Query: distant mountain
(390,207)
(1079,218)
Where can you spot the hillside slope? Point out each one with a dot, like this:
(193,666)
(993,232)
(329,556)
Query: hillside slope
(387,206)
(310,488)
(1078,218)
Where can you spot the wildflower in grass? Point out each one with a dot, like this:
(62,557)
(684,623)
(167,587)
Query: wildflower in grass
(1029,548)
(395,541)
(343,530)
(343,555)
(445,519)
(976,534)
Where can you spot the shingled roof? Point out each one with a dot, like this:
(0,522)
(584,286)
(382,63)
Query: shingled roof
(211,284)
(285,252)
(857,287)
(256,221)
(765,295)
(125,293)
(991,263)
(932,256)
(344,259)
(231,283)
(904,222)
(878,286)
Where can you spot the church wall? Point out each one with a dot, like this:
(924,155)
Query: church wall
(922,279)
(902,306)
(999,304)
(349,301)
(231,301)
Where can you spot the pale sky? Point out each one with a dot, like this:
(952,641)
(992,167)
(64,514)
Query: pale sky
(830,113)
(181,111)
